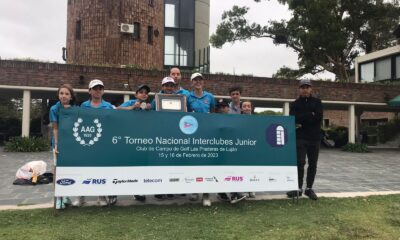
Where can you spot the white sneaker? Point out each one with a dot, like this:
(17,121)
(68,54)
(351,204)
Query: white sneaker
(102,201)
(252,194)
(79,202)
(206,200)
(237,197)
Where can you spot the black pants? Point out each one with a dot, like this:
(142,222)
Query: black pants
(311,150)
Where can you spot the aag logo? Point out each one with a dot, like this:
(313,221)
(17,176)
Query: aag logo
(65,181)
(188,124)
(96,181)
(87,135)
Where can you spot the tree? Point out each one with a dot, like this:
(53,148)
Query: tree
(326,34)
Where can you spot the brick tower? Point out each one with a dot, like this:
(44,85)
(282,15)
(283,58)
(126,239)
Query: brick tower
(115,33)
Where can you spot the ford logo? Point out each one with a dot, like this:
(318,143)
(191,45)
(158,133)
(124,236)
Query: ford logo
(65,181)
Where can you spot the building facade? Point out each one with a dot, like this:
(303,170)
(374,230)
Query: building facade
(145,34)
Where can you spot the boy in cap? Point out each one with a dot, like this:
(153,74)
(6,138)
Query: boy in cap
(222,106)
(308,117)
(167,87)
(138,104)
(96,92)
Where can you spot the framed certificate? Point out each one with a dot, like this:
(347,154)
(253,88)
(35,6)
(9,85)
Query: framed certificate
(171,102)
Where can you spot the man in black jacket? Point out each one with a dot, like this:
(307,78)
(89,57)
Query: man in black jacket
(308,116)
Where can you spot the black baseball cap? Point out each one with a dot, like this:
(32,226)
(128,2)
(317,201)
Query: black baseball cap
(143,86)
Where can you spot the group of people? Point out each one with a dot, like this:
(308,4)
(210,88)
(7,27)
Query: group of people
(306,109)
(198,100)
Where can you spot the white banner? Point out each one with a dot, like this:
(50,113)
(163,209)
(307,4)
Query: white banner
(97,181)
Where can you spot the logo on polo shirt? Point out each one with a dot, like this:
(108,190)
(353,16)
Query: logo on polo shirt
(87,134)
(188,124)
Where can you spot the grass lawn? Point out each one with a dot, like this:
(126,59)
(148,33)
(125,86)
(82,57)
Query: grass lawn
(376,217)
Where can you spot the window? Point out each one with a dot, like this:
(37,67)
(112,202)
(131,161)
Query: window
(186,14)
(367,72)
(326,123)
(136,30)
(171,13)
(383,69)
(171,48)
(398,67)
(78,29)
(179,33)
(150,34)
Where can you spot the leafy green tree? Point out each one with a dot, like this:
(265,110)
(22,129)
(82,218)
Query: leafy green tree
(326,34)
(270,113)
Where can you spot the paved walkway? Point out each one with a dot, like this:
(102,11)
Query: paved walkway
(339,174)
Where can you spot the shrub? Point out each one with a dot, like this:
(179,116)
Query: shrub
(356,147)
(389,130)
(25,144)
(339,135)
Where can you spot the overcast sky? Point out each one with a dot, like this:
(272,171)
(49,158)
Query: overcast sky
(37,29)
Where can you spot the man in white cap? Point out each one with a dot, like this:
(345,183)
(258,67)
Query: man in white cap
(307,111)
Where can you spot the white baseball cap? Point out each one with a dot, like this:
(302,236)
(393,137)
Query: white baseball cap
(195,75)
(95,82)
(167,80)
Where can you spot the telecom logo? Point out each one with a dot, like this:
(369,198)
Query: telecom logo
(188,124)
(276,135)
(65,181)
(234,179)
(148,180)
(95,181)
(199,179)
(87,135)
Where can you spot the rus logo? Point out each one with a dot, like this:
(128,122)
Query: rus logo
(234,179)
(96,181)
